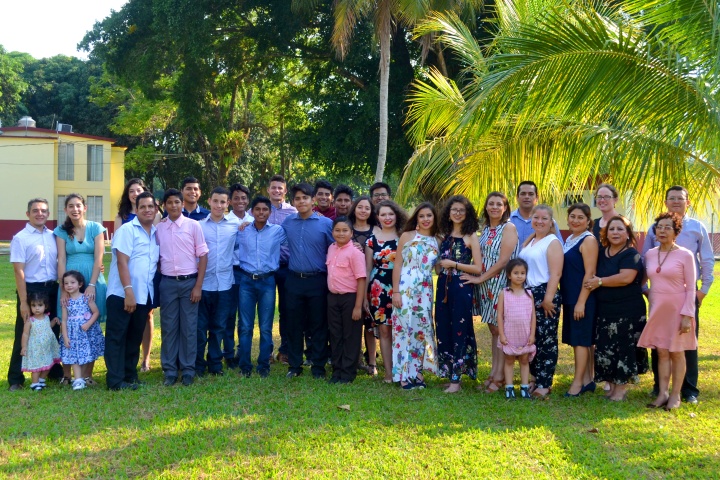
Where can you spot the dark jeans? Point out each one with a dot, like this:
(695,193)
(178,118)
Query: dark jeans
(280,277)
(690,382)
(213,313)
(15,375)
(307,306)
(254,294)
(345,335)
(228,341)
(123,336)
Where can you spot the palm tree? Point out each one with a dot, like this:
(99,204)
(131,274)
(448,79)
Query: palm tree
(385,14)
(570,91)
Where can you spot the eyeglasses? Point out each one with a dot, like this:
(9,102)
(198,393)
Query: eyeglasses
(380,195)
(457,211)
(664,227)
(603,197)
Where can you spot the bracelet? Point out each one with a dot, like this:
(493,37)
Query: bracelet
(126,287)
(90,284)
(456,266)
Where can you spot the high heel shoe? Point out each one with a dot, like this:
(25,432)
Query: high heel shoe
(568,394)
(590,387)
(652,405)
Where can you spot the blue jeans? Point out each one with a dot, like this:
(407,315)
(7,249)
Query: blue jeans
(260,293)
(212,314)
(234,312)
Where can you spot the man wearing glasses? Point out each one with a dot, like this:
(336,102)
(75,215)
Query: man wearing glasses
(695,238)
(379,191)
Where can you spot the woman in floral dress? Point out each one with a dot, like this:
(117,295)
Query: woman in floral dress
(498,245)
(380,250)
(459,253)
(413,333)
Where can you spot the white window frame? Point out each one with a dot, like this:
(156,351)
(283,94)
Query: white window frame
(95,163)
(94,208)
(66,161)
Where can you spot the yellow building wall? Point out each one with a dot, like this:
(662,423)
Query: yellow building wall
(28,171)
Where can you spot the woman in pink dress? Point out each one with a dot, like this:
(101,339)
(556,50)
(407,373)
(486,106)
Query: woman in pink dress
(669,330)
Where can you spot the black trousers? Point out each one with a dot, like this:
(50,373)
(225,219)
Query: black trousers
(306,303)
(123,336)
(15,375)
(345,335)
(690,383)
(280,277)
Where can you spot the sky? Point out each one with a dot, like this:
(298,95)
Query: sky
(45,28)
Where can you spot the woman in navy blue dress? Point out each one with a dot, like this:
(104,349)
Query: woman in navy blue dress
(579,265)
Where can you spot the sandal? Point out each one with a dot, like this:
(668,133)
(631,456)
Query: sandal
(495,386)
(65,381)
(145,367)
(90,382)
(372,370)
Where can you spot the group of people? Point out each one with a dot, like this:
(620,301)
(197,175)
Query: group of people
(339,265)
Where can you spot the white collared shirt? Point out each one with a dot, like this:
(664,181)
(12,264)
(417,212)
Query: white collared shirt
(38,251)
(134,241)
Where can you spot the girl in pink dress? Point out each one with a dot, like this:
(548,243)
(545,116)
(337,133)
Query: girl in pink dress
(671,323)
(516,323)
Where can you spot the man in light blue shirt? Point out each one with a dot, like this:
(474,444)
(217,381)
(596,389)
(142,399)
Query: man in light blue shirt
(527,197)
(694,237)
(130,293)
(309,235)
(216,302)
(259,248)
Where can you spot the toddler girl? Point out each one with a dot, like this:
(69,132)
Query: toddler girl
(516,323)
(40,350)
(82,338)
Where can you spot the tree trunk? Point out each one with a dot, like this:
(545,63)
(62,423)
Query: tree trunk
(384,83)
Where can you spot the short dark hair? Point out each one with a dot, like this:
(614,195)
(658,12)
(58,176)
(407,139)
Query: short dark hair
(527,182)
(506,203)
(585,209)
(144,194)
(412,223)
(239,187)
(303,187)
(38,297)
(220,191)
(372,219)
(33,201)
(172,192)
(469,226)
(322,184)
(343,189)
(276,178)
(187,180)
(677,188)
(260,199)
(342,219)
(77,276)
(378,185)
(676,220)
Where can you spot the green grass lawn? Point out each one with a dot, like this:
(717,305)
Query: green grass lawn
(233,427)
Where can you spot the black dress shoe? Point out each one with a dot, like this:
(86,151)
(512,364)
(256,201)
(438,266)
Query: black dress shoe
(292,375)
(264,373)
(15,387)
(187,380)
(124,386)
(219,373)
(334,380)
(170,381)
(319,376)
(246,373)
(136,381)
(691,399)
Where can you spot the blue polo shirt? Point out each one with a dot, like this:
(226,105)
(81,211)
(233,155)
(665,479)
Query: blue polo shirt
(308,241)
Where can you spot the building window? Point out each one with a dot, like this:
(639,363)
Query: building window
(571,199)
(94,163)
(66,161)
(60,209)
(94,208)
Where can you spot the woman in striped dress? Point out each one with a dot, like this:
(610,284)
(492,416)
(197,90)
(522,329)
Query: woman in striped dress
(498,244)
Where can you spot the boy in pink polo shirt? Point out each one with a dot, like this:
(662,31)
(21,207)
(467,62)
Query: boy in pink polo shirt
(183,260)
(346,282)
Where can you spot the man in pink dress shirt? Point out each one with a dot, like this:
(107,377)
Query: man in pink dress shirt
(183,259)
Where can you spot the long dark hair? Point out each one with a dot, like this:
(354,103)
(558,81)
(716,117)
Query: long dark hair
(125,206)
(413,221)
(506,203)
(372,219)
(67,224)
(469,226)
(400,215)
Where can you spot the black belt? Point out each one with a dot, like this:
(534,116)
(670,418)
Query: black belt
(307,274)
(181,277)
(237,268)
(283,264)
(49,283)
(257,276)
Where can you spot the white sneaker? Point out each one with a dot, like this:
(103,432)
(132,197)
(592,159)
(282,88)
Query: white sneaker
(78,384)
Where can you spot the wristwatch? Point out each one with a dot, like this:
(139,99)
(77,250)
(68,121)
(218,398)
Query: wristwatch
(599,282)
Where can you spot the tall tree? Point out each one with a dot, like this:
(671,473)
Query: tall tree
(569,91)
(12,86)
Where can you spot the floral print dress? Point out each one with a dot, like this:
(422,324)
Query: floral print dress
(486,294)
(413,333)
(380,286)
(85,346)
(456,345)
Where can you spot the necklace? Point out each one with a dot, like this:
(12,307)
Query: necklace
(660,263)
(610,254)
